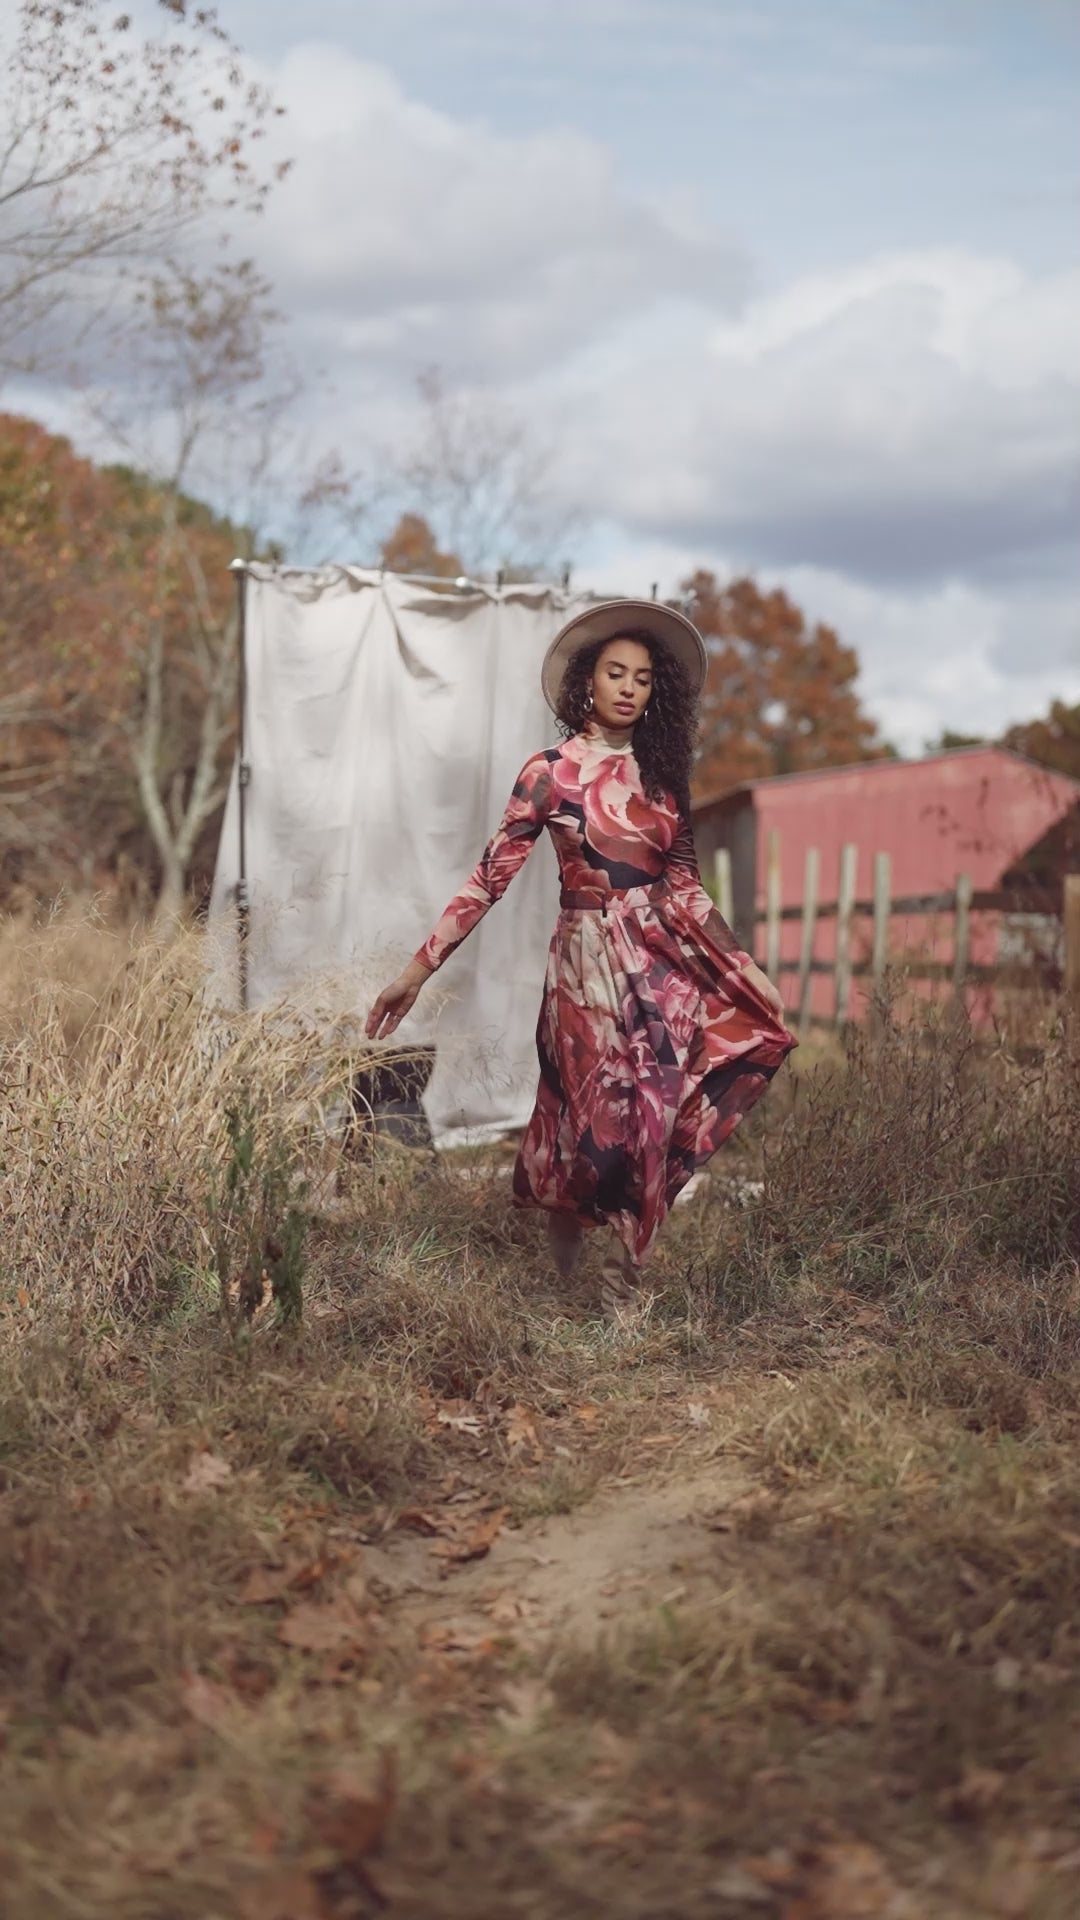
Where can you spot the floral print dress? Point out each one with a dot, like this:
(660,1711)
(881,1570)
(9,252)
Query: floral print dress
(653,1043)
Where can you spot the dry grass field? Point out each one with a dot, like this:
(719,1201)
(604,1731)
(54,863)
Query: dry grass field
(349,1565)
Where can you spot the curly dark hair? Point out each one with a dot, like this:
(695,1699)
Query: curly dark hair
(665,735)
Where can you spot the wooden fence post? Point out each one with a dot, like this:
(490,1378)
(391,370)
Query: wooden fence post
(962,932)
(1072,936)
(772,905)
(845,904)
(882,891)
(724,895)
(806,949)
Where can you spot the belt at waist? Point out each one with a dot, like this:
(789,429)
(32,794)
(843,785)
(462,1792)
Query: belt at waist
(604,900)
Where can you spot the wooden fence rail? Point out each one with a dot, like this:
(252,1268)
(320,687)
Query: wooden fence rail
(960,903)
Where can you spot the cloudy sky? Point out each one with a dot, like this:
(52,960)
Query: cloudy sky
(791,288)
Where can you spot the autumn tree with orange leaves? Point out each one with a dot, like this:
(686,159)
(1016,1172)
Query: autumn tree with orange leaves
(85,585)
(780,693)
(1054,741)
(411,547)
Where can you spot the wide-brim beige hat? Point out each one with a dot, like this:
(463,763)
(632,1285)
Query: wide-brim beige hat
(610,618)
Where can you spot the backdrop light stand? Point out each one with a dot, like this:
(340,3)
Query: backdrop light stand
(238,569)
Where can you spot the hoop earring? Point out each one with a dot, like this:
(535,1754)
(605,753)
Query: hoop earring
(588,702)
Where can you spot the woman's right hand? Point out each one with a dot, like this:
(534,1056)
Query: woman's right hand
(395,1001)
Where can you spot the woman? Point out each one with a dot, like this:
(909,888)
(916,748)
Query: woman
(656,1033)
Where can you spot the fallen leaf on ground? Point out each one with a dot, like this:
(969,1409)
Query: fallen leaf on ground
(612,1752)
(524,1704)
(457,1416)
(870,1317)
(521,1432)
(207,1701)
(775,1869)
(474,1545)
(351,1816)
(586,1414)
(1013,1892)
(624,1583)
(973,1794)
(620,1833)
(250,1678)
(293,1896)
(206,1472)
(736,1885)
(824,1712)
(266,1838)
(506,1609)
(749,1512)
(849,1880)
(418,1521)
(265,1584)
(358,1589)
(441,1637)
(325,1626)
(698,1413)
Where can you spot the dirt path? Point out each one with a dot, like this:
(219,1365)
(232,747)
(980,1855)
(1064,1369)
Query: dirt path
(634,1548)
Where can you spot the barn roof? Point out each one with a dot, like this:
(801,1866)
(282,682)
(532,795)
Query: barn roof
(951,754)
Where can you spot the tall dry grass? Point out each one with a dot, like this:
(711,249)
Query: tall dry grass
(918,1162)
(146,1141)
(886,1338)
(140,1123)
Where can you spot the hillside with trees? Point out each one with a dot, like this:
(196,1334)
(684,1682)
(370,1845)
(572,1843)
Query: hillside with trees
(110,600)
(118,677)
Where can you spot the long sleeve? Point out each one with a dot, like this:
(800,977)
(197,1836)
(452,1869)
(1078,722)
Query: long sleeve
(507,850)
(684,879)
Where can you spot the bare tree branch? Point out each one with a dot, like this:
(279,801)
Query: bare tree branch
(484,481)
(116,146)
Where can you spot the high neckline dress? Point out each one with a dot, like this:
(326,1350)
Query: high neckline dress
(652,1041)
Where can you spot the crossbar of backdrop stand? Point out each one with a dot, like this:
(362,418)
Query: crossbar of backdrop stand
(462,583)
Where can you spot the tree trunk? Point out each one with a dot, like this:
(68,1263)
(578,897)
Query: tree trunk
(172,896)
(175,824)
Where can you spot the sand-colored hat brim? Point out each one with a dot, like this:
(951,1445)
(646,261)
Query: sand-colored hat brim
(610,618)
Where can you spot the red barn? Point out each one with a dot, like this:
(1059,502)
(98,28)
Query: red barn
(983,811)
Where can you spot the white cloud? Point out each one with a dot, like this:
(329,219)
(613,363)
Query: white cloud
(912,419)
(950,655)
(897,441)
(406,236)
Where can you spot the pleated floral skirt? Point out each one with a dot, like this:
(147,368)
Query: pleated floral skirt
(653,1044)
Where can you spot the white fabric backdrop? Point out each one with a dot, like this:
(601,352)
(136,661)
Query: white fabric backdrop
(386,723)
